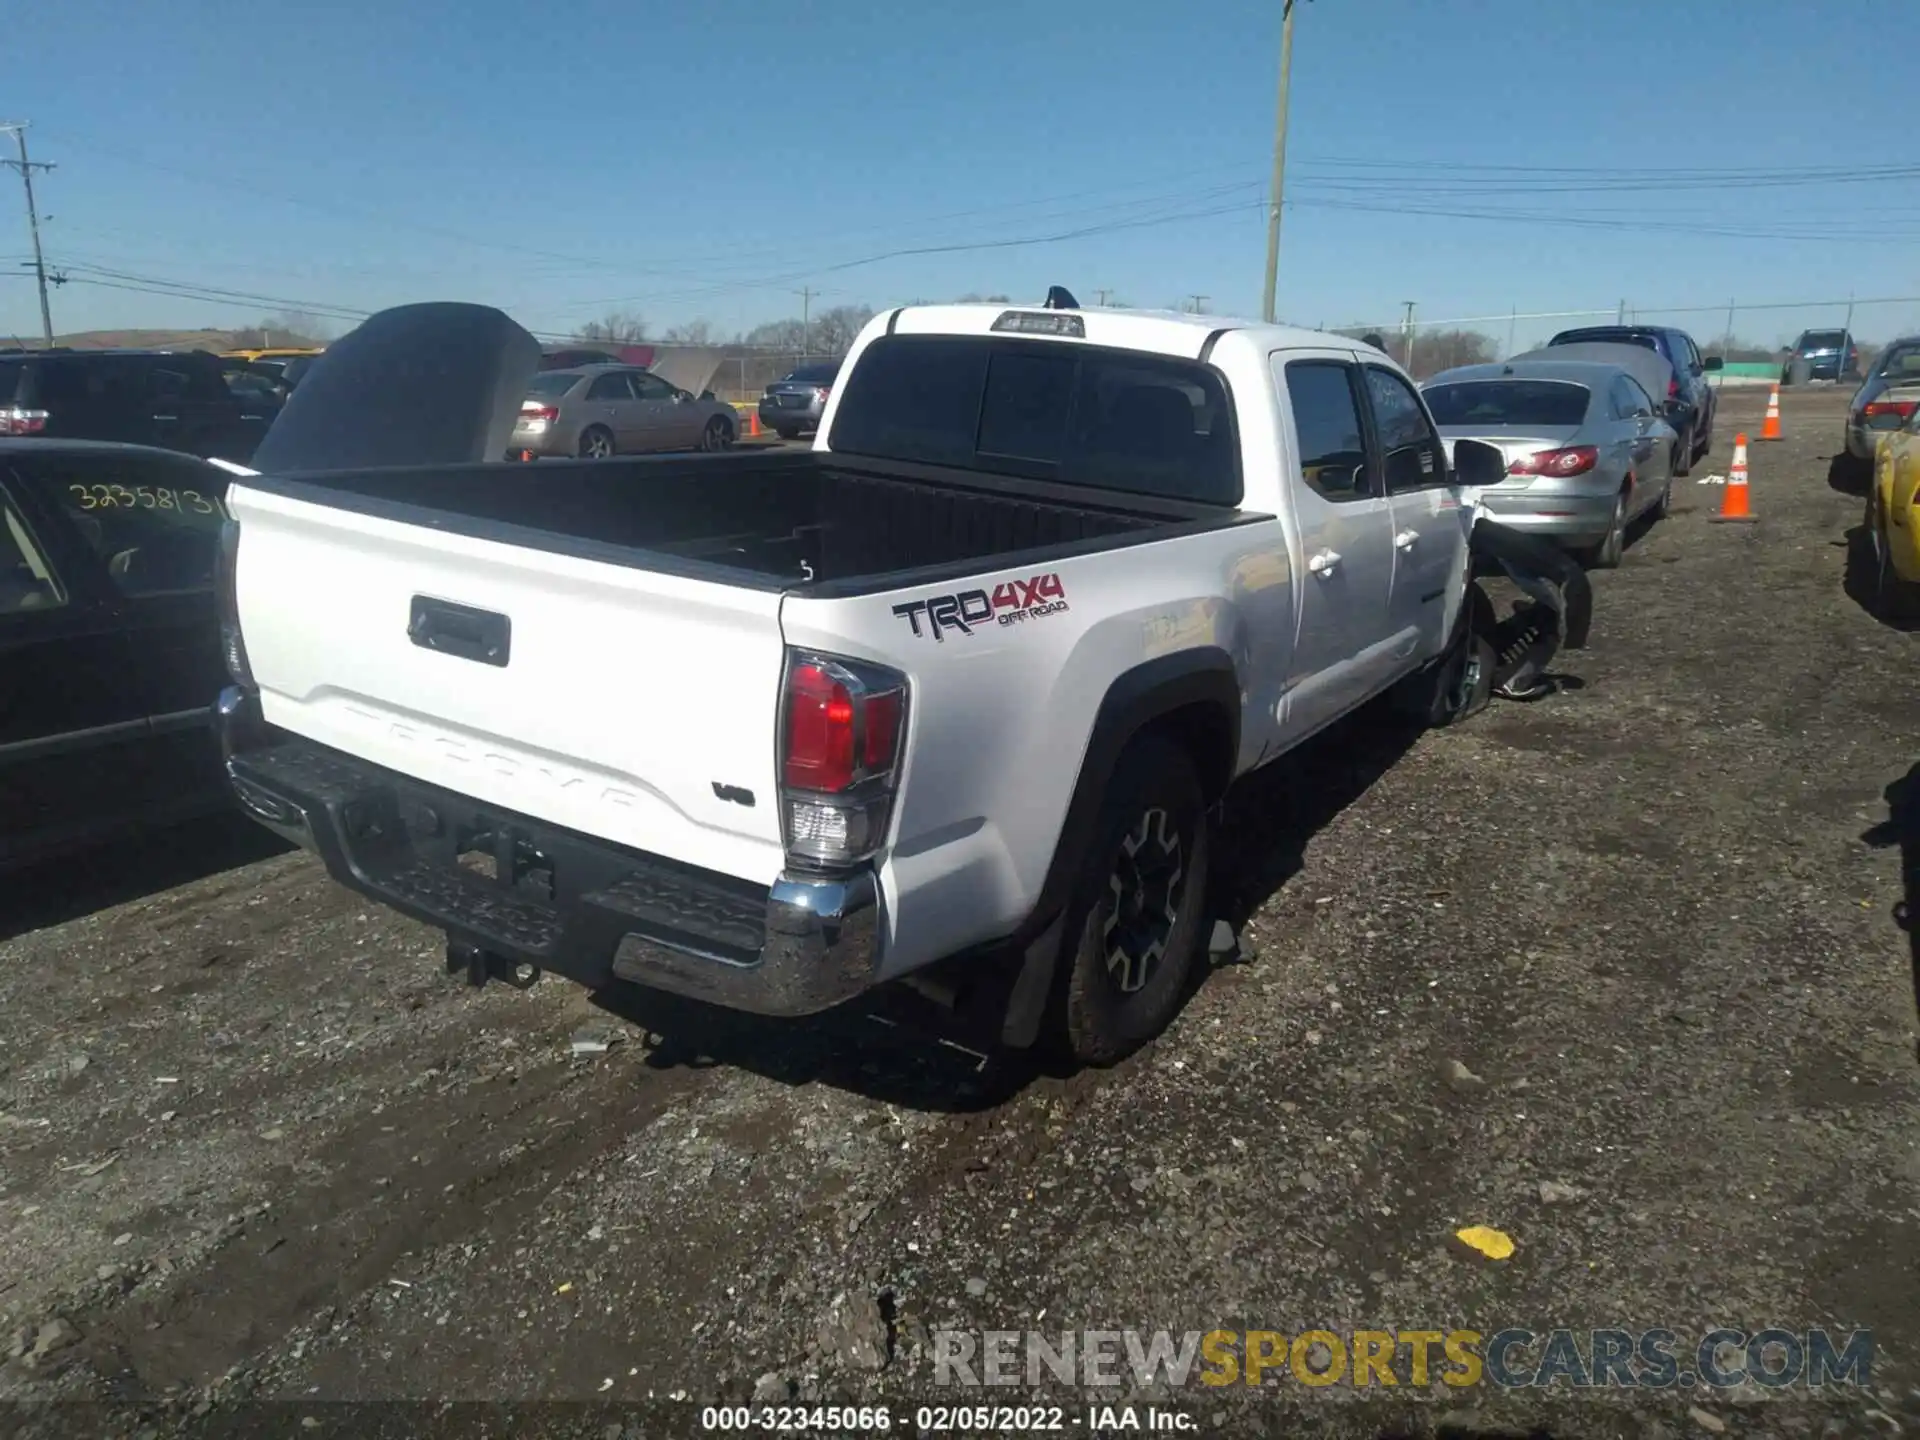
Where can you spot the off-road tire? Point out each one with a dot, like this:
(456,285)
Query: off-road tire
(1113,935)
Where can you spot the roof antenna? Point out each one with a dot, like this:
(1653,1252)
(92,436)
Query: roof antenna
(1060,298)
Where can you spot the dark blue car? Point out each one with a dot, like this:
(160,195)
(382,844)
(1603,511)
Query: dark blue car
(1690,403)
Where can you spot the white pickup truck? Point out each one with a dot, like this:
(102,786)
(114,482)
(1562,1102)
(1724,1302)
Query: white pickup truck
(960,686)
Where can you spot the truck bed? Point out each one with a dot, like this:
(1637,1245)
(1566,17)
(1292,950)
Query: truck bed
(781,520)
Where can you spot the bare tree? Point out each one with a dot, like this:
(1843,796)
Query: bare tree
(1434,350)
(616,327)
(694,332)
(834,331)
(777,335)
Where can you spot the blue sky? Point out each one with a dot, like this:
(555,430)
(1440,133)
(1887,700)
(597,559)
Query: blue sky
(684,161)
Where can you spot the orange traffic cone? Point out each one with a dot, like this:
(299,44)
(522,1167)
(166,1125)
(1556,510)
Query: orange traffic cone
(1770,427)
(753,423)
(1736,504)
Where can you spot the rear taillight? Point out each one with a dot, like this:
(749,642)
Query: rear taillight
(842,726)
(1888,414)
(820,394)
(17,420)
(536,414)
(1673,388)
(233,649)
(1574,460)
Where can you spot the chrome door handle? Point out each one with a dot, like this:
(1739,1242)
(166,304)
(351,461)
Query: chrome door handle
(1404,540)
(1323,563)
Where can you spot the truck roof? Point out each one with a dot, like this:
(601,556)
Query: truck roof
(1167,332)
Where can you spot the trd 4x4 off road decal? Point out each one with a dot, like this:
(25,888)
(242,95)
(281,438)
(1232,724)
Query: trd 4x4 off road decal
(1009,603)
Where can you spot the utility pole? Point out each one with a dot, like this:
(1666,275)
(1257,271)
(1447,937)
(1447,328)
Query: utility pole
(806,315)
(1513,321)
(1199,303)
(1407,327)
(1279,161)
(1620,315)
(26,168)
(1100,297)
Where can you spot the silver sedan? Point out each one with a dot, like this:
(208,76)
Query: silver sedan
(1587,452)
(1872,412)
(599,410)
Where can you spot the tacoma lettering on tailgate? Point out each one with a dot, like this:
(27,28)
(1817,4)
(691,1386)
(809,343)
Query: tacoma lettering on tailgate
(1009,603)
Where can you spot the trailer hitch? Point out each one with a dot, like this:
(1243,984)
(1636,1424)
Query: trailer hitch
(480,966)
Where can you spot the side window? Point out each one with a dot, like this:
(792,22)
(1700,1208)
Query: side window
(166,386)
(610,387)
(1411,451)
(651,387)
(154,526)
(1633,398)
(27,581)
(1326,418)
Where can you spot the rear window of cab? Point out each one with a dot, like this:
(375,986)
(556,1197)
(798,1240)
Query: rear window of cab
(1073,414)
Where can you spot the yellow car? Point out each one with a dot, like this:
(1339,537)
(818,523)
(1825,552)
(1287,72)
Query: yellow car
(1893,511)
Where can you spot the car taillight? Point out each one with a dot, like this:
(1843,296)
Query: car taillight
(18,420)
(843,724)
(1673,388)
(233,649)
(1574,460)
(539,414)
(1889,413)
(820,394)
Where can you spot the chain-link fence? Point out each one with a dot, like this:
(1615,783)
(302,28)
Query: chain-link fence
(1751,337)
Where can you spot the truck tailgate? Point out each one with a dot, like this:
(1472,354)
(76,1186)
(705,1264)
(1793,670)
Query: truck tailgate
(671,684)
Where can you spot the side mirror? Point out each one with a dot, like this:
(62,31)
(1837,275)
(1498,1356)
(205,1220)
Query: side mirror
(1712,362)
(681,397)
(1477,464)
(706,395)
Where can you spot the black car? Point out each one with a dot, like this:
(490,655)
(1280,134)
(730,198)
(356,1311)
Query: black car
(1691,404)
(109,642)
(1826,354)
(173,399)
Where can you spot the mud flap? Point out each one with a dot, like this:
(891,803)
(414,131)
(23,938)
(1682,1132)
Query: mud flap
(1557,614)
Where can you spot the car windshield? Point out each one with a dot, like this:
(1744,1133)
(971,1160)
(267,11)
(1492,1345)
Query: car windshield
(552,385)
(813,374)
(1821,340)
(1557,403)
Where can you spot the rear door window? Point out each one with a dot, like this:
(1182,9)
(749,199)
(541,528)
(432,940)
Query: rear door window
(1629,399)
(610,387)
(1327,426)
(1078,415)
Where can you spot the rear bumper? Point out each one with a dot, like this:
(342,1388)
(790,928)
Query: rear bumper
(554,441)
(775,416)
(557,900)
(1568,519)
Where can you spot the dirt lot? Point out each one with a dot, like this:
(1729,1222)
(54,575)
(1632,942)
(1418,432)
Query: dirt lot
(254,1146)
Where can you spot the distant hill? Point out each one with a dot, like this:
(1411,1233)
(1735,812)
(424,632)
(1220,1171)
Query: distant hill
(216,340)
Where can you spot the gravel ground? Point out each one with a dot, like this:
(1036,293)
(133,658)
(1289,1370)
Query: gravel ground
(1634,941)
